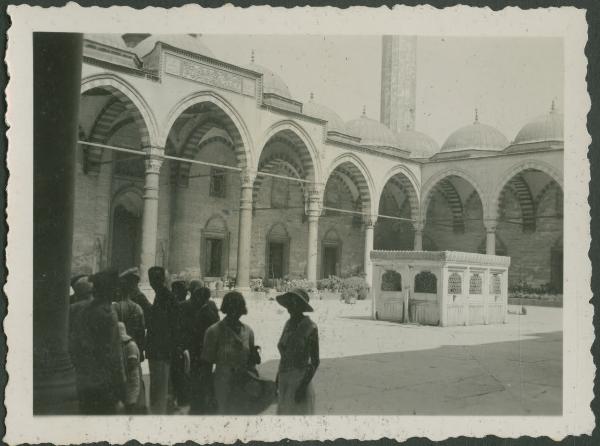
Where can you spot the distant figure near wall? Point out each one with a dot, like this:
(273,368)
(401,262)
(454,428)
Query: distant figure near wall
(440,287)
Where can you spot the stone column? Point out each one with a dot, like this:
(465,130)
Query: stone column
(313,211)
(490,237)
(369,232)
(56,93)
(154,160)
(418,245)
(245,230)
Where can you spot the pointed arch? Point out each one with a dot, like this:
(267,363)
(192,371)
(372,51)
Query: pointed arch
(356,170)
(299,138)
(133,102)
(517,168)
(407,180)
(225,113)
(432,183)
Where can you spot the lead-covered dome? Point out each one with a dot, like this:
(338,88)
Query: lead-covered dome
(272,83)
(371,132)
(187,42)
(112,40)
(476,136)
(548,127)
(418,143)
(320,111)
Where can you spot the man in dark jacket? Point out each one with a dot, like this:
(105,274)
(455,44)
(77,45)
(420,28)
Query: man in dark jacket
(161,340)
(199,315)
(95,348)
(132,315)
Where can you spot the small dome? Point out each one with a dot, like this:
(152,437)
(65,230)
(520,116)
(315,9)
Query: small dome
(316,110)
(419,144)
(272,83)
(476,136)
(112,40)
(371,132)
(187,42)
(548,127)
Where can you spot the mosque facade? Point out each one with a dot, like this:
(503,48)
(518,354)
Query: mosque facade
(216,171)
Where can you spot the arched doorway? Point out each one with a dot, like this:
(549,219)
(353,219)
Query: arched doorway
(331,254)
(126,229)
(278,252)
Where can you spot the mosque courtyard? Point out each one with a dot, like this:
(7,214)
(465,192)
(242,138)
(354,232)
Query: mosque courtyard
(373,367)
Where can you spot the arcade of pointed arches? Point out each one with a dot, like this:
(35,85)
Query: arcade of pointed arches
(291,185)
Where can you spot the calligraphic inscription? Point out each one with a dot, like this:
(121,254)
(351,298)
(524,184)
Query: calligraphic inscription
(206,74)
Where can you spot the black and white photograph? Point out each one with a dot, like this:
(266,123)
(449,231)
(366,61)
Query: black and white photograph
(259,225)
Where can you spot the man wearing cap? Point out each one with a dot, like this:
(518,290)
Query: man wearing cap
(299,349)
(95,348)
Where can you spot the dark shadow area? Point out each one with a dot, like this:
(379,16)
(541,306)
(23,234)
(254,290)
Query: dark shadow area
(504,378)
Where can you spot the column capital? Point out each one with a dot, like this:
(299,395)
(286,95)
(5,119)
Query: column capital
(369,221)
(418,225)
(247,177)
(490,225)
(153,163)
(314,199)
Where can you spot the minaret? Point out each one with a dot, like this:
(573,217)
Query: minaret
(398,82)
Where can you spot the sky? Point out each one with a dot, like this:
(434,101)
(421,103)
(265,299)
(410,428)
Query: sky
(509,80)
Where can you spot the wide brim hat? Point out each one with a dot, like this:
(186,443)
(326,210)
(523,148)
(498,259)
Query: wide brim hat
(131,272)
(298,295)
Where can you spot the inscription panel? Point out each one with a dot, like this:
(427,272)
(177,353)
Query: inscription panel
(206,74)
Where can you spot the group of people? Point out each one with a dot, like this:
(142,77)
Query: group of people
(195,358)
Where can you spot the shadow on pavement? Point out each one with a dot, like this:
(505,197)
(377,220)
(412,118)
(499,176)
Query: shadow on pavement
(503,378)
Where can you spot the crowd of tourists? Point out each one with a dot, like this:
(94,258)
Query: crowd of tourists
(196,359)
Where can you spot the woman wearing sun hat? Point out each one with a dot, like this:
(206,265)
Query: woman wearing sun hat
(299,349)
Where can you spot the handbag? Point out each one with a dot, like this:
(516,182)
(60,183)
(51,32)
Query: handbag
(254,394)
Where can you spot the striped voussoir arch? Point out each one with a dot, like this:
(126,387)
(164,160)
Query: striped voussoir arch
(279,162)
(402,181)
(519,187)
(352,171)
(193,142)
(452,197)
(119,105)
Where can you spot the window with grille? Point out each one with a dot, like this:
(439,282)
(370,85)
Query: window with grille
(475,284)
(454,284)
(425,282)
(217,182)
(391,281)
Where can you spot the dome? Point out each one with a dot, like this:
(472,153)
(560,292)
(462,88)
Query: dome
(272,83)
(419,144)
(112,40)
(371,132)
(548,127)
(187,42)
(316,110)
(476,136)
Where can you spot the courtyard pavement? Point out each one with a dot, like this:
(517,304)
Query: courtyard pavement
(383,368)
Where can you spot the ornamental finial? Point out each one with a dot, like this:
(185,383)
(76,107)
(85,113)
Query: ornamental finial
(252,56)
(364,113)
(312,95)
(476,115)
(553,106)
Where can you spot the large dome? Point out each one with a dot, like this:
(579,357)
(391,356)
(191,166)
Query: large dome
(419,144)
(187,42)
(548,127)
(112,40)
(371,132)
(316,110)
(476,136)
(272,83)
